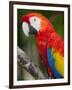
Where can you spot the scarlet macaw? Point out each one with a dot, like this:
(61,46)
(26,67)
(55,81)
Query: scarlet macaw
(50,44)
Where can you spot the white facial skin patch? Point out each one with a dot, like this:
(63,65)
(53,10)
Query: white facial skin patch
(35,22)
(25,28)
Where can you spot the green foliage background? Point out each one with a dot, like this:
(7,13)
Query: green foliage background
(28,43)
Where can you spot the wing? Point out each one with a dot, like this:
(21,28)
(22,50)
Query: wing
(56,63)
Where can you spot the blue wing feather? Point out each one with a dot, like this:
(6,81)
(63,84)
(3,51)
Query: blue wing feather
(51,63)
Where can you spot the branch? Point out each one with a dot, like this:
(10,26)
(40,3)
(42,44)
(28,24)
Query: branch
(28,65)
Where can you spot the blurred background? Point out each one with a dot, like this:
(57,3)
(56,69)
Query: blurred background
(28,45)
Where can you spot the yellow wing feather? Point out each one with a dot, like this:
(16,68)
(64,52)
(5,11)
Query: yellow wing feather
(59,62)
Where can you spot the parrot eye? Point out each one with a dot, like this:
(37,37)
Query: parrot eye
(34,19)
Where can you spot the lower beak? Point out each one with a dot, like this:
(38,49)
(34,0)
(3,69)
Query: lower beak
(32,30)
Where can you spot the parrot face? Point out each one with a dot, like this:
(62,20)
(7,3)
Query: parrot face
(31,25)
(35,22)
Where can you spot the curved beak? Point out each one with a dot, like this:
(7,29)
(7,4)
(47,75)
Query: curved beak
(28,29)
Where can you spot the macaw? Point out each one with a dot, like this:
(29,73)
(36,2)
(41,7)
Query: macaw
(50,45)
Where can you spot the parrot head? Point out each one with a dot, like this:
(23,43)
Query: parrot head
(33,23)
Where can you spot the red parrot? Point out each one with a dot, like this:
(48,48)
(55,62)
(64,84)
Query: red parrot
(50,45)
